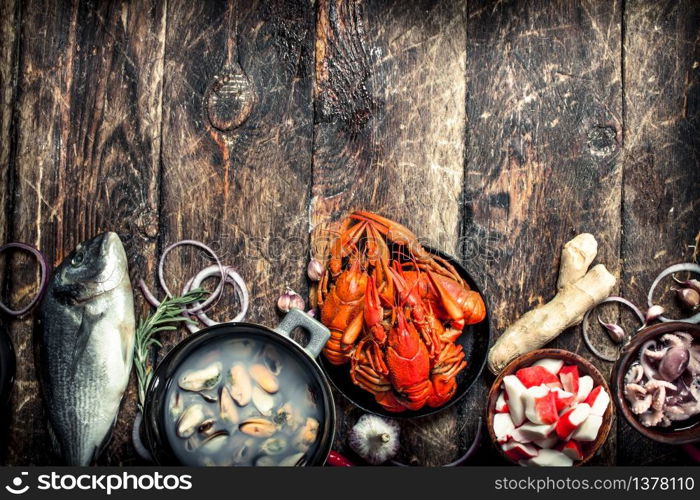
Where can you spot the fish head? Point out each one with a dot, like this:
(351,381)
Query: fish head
(95,267)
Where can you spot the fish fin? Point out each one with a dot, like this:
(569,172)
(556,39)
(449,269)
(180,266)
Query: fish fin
(55,444)
(105,442)
(81,339)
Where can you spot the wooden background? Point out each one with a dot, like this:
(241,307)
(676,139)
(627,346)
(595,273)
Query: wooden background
(494,129)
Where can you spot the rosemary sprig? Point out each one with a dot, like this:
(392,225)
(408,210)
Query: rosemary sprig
(164,319)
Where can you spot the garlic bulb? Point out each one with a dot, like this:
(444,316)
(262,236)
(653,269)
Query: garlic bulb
(290,300)
(375,439)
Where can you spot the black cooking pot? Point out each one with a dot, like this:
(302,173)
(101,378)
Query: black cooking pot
(163,378)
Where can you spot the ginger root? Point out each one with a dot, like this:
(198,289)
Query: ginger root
(576,296)
(576,256)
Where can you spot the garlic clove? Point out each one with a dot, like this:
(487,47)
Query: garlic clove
(688,297)
(290,300)
(616,333)
(314,270)
(654,312)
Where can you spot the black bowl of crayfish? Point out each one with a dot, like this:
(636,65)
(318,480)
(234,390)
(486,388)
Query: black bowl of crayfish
(370,371)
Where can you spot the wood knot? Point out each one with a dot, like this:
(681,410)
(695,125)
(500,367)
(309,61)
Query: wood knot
(602,140)
(229,99)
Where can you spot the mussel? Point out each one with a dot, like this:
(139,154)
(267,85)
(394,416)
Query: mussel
(258,427)
(240,385)
(306,436)
(272,360)
(228,410)
(265,378)
(291,460)
(204,379)
(274,445)
(263,401)
(190,420)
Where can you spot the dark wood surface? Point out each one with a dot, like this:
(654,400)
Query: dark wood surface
(494,130)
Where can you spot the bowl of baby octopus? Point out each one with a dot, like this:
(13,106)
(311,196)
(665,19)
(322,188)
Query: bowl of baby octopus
(656,382)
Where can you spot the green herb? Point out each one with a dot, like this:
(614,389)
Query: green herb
(165,318)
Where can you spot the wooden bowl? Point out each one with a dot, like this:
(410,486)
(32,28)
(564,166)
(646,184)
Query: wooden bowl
(570,358)
(629,354)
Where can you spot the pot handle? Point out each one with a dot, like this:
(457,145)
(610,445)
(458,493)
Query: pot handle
(318,334)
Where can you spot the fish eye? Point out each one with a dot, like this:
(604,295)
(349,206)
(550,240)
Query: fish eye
(77,259)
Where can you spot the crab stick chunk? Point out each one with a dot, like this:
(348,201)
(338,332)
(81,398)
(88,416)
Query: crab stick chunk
(515,391)
(519,451)
(563,398)
(550,364)
(501,403)
(540,405)
(537,375)
(530,432)
(551,458)
(569,378)
(572,420)
(571,449)
(502,426)
(585,385)
(588,430)
(549,442)
(598,400)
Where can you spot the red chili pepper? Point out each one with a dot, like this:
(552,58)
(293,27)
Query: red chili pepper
(335,459)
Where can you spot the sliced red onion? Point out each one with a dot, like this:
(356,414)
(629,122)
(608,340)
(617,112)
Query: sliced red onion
(140,448)
(688,267)
(214,295)
(43,280)
(590,346)
(473,447)
(150,298)
(230,276)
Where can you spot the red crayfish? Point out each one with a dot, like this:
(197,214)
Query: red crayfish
(395,311)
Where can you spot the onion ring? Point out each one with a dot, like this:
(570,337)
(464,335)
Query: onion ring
(214,295)
(459,461)
(229,276)
(584,323)
(43,281)
(150,298)
(140,448)
(688,266)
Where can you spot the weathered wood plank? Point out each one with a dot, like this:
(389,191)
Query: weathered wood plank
(544,113)
(389,137)
(9,20)
(661,184)
(241,185)
(87,161)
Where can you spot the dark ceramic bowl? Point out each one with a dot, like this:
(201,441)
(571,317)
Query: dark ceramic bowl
(155,406)
(475,340)
(585,368)
(629,354)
